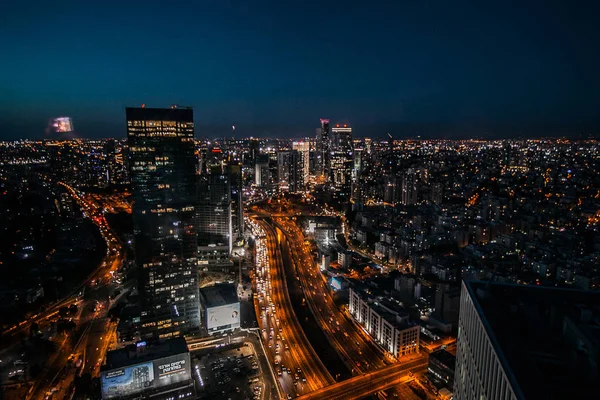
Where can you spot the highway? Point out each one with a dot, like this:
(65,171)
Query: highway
(354,345)
(286,344)
(372,382)
(95,332)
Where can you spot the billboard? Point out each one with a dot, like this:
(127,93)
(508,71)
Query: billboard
(62,124)
(121,382)
(336,284)
(223,317)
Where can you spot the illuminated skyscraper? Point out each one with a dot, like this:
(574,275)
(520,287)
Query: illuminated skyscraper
(303,149)
(341,160)
(322,149)
(162,165)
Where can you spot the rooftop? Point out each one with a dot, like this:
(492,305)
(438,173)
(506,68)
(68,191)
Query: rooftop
(142,351)
(444,357)
(219,295)
(547,339)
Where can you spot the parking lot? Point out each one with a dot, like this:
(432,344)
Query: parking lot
(233,373)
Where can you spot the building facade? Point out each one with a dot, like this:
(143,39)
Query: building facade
(162,168)
(341,160)
(322,149)
(388,325)
(479,373)
(289,171)
(303,148)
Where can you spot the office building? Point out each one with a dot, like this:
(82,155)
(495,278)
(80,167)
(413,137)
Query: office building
(253,151)
(289,171)
(214,212)
(162,170)
(237,208)
(322,148)
(527,342)
(221,308)
(341,160)
(386,322)
(148,370)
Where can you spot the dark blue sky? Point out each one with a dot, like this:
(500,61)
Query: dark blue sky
(441,68)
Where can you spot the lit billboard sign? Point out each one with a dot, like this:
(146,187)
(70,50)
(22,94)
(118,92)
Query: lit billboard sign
(136,378)
(63,124)
(336,284)
(224,317)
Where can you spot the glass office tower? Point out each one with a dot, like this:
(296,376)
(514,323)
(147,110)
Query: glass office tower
(162,166)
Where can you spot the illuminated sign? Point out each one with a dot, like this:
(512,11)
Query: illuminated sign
(336,284)
(62,124)
(122,382)
(223,317)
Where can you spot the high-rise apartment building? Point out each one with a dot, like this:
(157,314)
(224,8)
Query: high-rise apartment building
(526,342)
(410,189)
(303,148)
(162,169)
(289,171)
(341,160)
(237,207)
(322,149)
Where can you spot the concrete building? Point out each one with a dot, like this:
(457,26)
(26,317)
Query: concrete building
(527,342)
(221,308)
(441,368)
(386,322)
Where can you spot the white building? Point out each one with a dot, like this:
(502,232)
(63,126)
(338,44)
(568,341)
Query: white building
(386,323)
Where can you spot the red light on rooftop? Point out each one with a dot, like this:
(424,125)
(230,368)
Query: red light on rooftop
(143,105)
(337,125)
(345,126)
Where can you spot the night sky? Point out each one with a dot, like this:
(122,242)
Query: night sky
(433,68)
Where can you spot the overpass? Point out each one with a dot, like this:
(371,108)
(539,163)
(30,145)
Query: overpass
(366,384)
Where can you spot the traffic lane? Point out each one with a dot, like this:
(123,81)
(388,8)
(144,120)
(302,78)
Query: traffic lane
(313,369)
(268,320)
(326,311)
(279,296)
(373,355)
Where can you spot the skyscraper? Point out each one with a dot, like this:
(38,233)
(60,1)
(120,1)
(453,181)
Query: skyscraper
(410,188)
(303,149)
(341,160)
(215,212)
(162,165)
(526,342)
(322,149)
(289,170)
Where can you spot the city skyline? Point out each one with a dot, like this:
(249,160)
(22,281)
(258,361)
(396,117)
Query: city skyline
(315,200)
(429,69)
